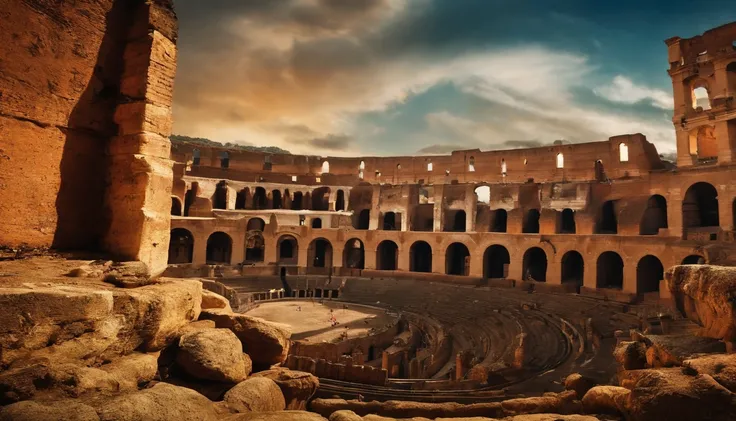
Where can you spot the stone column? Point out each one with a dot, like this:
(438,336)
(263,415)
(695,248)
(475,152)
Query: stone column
(438,208)
(375,208)
(140,174)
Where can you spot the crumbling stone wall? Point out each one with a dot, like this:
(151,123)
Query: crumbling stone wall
(85,115)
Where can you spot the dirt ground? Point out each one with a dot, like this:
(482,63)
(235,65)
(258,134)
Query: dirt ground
(313,323)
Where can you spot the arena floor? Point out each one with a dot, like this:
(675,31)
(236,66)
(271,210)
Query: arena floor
(310,320)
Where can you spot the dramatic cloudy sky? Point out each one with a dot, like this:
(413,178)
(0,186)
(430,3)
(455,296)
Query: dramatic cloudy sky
(387,77)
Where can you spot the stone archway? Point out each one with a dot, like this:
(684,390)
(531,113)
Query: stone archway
(387,255)
(495,262)
(649,273)
(420,257)
(534,265)
(610,271)
(181,246)
(353,256)
(219,248)
(457,259)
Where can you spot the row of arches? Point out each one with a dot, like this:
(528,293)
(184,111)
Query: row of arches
(496,259)
(261,199)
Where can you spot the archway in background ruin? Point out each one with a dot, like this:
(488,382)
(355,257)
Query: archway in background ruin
(255,224)
(363,221)
(500,219)
(175,206)
(319,254)
(219,199)
(316,223)
(224,159)
(455,221)
(255,247)
(534,266)
(391,222)
(387,255)
(353,256)
(700,206)
(420,257)
(297,201)
(649,272)
(693,259)
(483,193)
(260,201)
(276,199)
(242,198)
(287,248)
(321,199)
(181,246)
(703,143)
(600,172)
(219,248)
(607,222)
(457,260)
(325,167)
(340,201)
(531,222)
(495,260)
(573,268)
(655,216)
(189,197)
(567,222)
(610,271)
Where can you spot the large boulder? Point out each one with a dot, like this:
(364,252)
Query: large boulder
(257,394)
(266,343)
(66,410)
(579,383)
(668,394)
(672,350)
(552,403)
(407,409)
(276,416)
(162,402)
(211,300)
(297,386)
(606,400)
(213,354)
(705,294)
(722,367)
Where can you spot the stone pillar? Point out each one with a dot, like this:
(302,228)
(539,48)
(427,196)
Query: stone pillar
(629,275)
(725,207)
(438,208)
(438,261)
(471,207)
(403,262)
(554,272)
(375,208)
(369,261)
(725,144)
(684,159)
(140,174)
(459,367)
(476,265)
(237,253)
(199,256)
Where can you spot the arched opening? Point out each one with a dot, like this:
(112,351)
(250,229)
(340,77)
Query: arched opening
(430,166)
(495,262)
(471,164)
(181,246)
(703,144)
(259,199)
(483,194)
(353,256)
(457,260)
(649,272)
(700,96)
(455,221)
(500,218)
(387,255)
(573,268)
(607,222)
(361,168)
(175,206)
(316,223)
(531,222)
(731,76)
(503,167)
(610,271)
(391,222)
(693,259)
(219,199)
(600,173)
(276,198)
(567,222)
(420,257)
(196,157)
(534,265)
(255,224)
(321,199)
(287,250)
(623,152)
(560,161)
(255,246)
(340,201)
(242,198)
(325,167)
(189,198)
(225,159)
(219,248)
(655,216)
(364,219)
(320,253)
(700,206)
(296,202)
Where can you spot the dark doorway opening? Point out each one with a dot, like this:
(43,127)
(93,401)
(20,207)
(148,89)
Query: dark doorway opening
(531,222)
(354,254)
(420,257)
(534,265)
(573,269)
(567,222)
(495,262)
(700,206)
(387,255)
(607,221)
(500,217)
(457,260)
(655,216)
(610,271)
(649,272)
(181,246)
(219,248)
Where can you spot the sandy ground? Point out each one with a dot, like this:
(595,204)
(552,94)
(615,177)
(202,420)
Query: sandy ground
(313,324)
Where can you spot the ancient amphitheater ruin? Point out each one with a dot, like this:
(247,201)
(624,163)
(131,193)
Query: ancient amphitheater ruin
(141,280)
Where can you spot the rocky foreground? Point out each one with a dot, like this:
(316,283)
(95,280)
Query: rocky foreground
(106,343)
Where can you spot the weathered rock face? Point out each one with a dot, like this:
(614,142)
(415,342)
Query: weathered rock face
(277,416)
(606,400)
(722,367)
(266,343)
(162,402)
(213,354)
(68,410)
(257,394)
(705,294)
(297,386)
(210,300)
(579,384)
(631,355)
